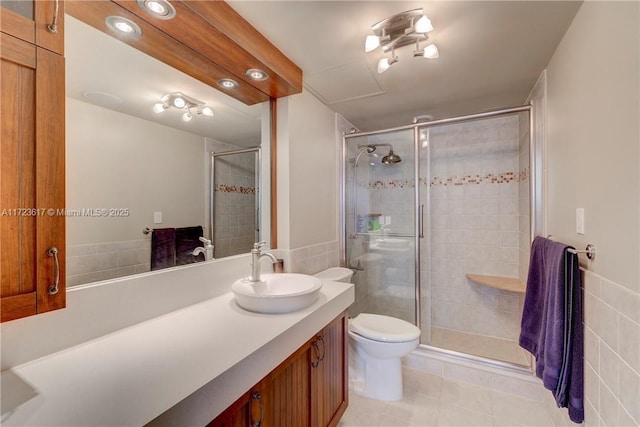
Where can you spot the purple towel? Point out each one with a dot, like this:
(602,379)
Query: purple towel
(551,327)
(163,248)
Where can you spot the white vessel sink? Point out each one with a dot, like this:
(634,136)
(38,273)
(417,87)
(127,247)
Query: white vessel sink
(277,293)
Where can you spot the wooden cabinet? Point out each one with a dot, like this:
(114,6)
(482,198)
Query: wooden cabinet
(308,389)
(329,391)
(39,22)
(31,166)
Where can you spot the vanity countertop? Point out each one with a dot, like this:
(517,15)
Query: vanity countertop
(181,368)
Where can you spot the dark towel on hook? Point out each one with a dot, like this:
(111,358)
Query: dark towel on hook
(551,327)
(187,239)
(163,248)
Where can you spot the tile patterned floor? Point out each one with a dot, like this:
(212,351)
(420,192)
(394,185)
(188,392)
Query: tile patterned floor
(433,401)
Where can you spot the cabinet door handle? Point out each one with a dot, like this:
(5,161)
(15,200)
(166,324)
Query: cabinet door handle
(317,347)
(53,289)
(257,396)
(53,27)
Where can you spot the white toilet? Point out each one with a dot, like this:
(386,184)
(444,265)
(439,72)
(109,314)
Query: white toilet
(377,345)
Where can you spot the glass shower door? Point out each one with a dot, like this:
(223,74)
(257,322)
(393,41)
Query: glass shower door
(380,223)
(475,188)
(235,201)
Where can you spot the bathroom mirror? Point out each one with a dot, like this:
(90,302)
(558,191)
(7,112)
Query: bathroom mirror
(131,169)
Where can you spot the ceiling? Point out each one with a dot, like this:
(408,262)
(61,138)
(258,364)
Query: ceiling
(100,63)
(491,54)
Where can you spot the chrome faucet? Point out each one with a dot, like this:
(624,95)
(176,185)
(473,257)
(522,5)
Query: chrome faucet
(206,250)
(256,256)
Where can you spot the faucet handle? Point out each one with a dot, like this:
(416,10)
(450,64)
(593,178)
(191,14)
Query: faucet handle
(207,242)
(257,245)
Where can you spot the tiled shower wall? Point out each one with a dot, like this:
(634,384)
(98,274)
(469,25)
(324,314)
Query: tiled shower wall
(479,215)
(235,204)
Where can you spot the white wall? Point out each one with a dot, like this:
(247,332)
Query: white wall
(307,172)
(592,151)
(119,161)
(592,137)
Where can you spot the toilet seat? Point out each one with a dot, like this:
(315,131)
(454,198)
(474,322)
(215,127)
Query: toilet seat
(383,328)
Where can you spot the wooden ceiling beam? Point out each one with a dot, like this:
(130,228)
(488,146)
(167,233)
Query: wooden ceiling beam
(207,40)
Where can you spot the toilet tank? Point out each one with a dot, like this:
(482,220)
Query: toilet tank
(336,274)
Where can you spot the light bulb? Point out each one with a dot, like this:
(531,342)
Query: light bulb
(159,107)
(383,65)
(179,102)
(431,52)
(207,111)
(125,27)
(187,116)
(256,74)
(156,7)
(228,83)
(423,25)
(371,43)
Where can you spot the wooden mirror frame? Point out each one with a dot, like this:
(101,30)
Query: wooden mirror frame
(184,43)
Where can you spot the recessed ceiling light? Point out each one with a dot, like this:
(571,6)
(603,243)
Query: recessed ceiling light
(160,9)
(122,25)
(256,74)
(101,98)
(228,83)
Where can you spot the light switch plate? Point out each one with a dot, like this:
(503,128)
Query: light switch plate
(157,217)
(580,220)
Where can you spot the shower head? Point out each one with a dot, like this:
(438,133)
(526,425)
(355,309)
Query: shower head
(391,158)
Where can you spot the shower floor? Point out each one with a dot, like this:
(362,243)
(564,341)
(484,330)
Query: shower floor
(479,345)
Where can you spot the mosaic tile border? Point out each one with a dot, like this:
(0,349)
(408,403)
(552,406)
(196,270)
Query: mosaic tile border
(223,188)
(489,178)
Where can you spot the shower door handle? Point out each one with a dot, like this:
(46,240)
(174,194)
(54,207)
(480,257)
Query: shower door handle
(422,221)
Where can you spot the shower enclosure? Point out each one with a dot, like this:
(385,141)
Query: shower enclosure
(234,213)
(439,236)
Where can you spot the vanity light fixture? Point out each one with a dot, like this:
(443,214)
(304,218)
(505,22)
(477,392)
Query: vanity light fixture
(256,74)
(402,29)
(228,84)
(160,9)
(121,25)
(182,102)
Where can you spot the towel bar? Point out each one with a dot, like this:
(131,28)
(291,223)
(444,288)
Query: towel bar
(590,250)
(147,230)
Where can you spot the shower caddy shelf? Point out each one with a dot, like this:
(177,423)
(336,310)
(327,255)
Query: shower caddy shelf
(504,283)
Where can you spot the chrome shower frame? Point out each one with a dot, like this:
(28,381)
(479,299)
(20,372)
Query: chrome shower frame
(212,189)
(535,204)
